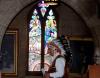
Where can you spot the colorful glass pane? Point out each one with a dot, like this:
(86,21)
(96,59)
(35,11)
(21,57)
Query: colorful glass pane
(50,34)
(34,42)
(50,29)
(35,37)
(43,8)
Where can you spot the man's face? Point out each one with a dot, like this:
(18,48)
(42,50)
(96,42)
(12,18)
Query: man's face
(52,50)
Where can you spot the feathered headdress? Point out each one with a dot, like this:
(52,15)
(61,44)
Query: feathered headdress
(59,45)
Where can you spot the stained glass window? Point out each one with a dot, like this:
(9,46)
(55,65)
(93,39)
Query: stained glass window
(35,36)
(34,41)
(50,34)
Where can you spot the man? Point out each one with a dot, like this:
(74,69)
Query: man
(58,67)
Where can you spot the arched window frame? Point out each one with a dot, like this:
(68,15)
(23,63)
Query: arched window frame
(43,19)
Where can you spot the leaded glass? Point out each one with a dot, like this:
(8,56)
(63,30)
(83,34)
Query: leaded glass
(43,8)
(34,41)
(50,28)
(35,32)
(50,33)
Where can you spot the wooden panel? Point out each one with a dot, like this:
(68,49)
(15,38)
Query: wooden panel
(94,71)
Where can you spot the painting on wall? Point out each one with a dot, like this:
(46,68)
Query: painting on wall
(9,52)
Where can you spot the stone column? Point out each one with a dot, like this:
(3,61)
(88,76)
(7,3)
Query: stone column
(97,56)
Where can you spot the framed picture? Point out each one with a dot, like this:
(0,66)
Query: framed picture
(9,50)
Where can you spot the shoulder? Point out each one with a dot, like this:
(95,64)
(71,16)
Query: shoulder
(61,59)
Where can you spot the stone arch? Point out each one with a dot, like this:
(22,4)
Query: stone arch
(10,12)
(15,6)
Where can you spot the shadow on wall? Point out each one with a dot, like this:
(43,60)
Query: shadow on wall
(82,55)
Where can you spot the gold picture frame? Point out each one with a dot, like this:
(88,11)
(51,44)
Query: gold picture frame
(9,50)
